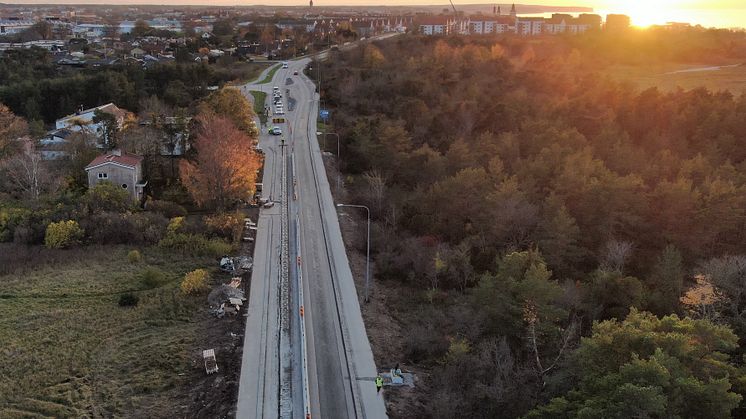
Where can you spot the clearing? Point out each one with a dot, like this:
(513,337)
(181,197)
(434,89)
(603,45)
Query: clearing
(69,350)
(714,77)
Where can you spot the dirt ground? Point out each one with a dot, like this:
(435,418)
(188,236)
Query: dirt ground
(383,320)
(215,396)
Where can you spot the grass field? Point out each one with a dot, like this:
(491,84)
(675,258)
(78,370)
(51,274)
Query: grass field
(259,100)
(270,74)
(68,350)
(245,72)
(670,77)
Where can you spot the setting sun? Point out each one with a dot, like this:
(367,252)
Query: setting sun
(644,13)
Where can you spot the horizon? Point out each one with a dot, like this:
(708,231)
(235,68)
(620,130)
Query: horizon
(720,14)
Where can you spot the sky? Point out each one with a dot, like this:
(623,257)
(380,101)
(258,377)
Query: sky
(709,13)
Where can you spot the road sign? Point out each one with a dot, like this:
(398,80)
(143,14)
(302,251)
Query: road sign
(324,114)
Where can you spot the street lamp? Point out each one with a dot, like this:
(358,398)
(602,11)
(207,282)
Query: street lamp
(367,256)
(338,160)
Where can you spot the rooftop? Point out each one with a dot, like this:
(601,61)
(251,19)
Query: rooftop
(124,159)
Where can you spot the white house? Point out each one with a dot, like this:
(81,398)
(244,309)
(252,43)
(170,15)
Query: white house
(52,145)
(83,120)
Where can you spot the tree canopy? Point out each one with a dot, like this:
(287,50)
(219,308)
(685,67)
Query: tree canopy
(646,366)
(225,165)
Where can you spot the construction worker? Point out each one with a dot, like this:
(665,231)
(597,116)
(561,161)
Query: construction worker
(379,384)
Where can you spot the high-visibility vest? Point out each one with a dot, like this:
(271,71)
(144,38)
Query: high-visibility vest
(379,381)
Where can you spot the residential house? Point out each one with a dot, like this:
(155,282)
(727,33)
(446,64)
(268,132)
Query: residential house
(83,120)
(121,169)
(52,145)
(137,52)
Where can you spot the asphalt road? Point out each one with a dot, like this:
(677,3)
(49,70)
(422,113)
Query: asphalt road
(340,363)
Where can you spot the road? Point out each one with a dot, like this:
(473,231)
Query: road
(339,359)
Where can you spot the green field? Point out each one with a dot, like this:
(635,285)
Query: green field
(67,349)
(259,100)
(270,74)
(670,77)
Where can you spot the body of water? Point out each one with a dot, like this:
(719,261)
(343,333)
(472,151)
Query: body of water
(719,18)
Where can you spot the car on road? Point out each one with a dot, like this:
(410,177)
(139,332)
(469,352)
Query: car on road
(295,73)
(284,64)
(275,131)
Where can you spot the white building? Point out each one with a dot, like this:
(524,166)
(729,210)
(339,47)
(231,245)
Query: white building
(89,30)
(529,26)
(436,25)
(126,26)
(14,26)
(498,24)
(83,120)
(563,23)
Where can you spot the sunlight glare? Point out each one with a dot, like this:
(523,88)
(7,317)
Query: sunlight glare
(644,13)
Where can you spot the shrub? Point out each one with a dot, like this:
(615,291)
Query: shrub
(167,208)
(195,244)
(224,225)
(152,277)
(63,234)
(150,227)
(195,281)
(134,256)
(176,224)
(10,218)
(109,228)
(128,300)
(106,196)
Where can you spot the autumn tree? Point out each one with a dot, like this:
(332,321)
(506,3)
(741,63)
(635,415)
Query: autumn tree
(12,128)
(225,166)
(230,103)
(141,28)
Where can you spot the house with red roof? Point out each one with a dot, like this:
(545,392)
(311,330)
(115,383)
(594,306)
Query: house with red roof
(121,169)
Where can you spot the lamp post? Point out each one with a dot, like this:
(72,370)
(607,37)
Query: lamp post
(367,256)
(338,160)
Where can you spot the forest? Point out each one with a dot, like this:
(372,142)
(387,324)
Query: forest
(571,246)
(37,89)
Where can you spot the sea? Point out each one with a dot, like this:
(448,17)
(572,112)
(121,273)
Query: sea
(717,18)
